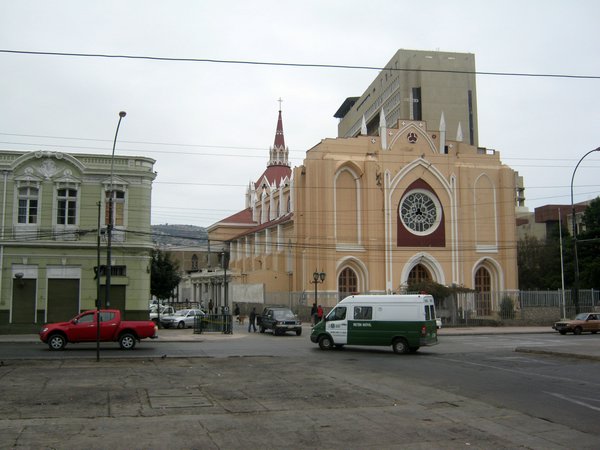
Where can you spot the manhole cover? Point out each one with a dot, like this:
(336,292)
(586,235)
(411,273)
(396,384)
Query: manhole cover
(176,398)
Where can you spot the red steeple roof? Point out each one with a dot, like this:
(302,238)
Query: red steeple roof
(278,166)
(279,140)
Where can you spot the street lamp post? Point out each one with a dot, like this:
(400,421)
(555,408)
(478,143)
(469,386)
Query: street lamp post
(109,226)
(574,222)
(318,277)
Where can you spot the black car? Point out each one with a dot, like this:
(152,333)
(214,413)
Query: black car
(279,320)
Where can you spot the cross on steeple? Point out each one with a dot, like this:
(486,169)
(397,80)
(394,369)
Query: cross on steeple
(280,101)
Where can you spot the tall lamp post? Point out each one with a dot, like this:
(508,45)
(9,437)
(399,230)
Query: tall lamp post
(109,226)
(318,277)
(575,260)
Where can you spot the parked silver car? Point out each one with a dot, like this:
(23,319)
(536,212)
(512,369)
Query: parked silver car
(184,318)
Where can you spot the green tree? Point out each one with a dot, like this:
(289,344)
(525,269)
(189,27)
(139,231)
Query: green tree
(538,261)
(164,276)
(588,247)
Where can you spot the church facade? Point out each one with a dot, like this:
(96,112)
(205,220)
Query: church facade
(373,213)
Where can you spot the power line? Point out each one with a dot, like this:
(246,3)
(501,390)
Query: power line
(288,64)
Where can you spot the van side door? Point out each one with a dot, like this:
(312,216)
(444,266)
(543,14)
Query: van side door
(336,324)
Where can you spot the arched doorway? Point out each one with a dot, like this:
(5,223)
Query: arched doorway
(483,290)
(418,274)
(347,283)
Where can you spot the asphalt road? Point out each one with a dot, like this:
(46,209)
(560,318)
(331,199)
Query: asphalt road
(557,391)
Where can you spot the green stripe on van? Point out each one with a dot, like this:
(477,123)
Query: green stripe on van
(372,332)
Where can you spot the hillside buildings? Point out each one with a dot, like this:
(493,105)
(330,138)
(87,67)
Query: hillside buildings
(51,207)
(402,195)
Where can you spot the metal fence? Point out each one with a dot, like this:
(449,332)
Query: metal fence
(514,307)
(220,323)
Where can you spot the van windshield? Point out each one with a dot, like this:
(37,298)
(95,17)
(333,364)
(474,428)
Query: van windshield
(338,313)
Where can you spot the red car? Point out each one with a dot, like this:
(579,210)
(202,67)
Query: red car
(84,328)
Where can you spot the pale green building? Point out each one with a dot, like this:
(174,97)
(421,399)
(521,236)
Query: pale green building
(51,204)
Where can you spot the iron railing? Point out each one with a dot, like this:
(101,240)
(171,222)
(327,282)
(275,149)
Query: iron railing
(220,323)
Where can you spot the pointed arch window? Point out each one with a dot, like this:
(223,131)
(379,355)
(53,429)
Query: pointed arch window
(418,274)
(483,288)
(347,283)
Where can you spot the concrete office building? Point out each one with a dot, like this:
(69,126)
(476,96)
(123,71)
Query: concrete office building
(421,86)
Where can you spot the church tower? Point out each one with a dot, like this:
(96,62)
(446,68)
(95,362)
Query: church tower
(279,152)
(278,166)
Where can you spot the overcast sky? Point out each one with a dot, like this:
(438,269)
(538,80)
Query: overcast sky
(209,125)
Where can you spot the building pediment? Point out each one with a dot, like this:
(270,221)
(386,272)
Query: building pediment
(47,166)
(415,134)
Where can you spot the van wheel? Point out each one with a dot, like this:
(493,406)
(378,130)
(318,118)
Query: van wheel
(325,342)
(400,346)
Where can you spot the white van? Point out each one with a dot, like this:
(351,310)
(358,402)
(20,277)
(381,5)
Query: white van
(406,322)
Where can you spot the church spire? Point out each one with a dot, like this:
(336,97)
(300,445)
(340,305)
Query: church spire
(279,152)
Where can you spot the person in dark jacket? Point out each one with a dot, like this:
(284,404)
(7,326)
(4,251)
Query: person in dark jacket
(252,321)
(313,313)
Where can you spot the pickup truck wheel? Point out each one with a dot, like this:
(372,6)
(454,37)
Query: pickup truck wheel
(181,325)
(577,330)
(261,328)
(298,332)
(325,342)
(563,331)
(127,341)
(57,342)
(400,346)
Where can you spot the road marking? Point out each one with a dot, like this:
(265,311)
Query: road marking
(572,400)
(517,371)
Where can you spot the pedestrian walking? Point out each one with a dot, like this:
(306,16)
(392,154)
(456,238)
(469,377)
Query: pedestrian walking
(313,313)
(210,306)
(319,313)
(252,322)
(236,311)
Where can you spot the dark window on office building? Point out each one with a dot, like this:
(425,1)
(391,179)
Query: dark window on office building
(471,124)
(416,102)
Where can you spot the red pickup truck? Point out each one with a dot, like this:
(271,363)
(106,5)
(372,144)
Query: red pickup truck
(84,328)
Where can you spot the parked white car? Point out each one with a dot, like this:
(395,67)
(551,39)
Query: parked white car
(184,318)
(164,311)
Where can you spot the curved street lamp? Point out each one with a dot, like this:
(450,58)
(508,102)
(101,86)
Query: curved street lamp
(109,226)
(574,222)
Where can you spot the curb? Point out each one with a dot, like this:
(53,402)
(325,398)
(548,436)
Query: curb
(556,353)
